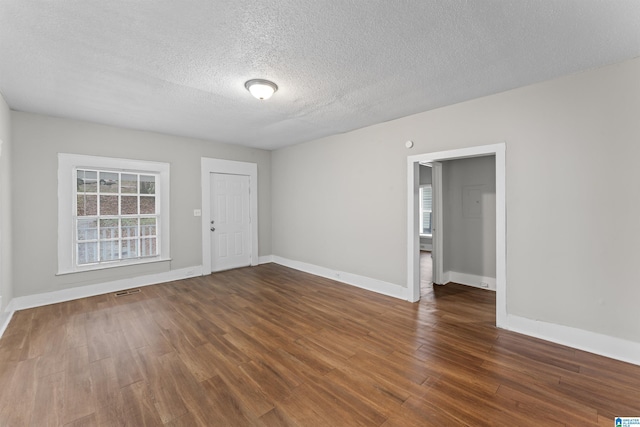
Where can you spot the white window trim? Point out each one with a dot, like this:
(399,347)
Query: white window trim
(67,163)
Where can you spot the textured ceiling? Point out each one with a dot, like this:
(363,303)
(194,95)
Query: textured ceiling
(179,67)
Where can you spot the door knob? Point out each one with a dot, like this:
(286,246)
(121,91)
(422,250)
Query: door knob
(213,229)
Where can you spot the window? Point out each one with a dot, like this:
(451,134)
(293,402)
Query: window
(426,201)
(111,212)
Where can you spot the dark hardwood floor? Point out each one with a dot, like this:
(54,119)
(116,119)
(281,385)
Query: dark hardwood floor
(271,346)
(426,272)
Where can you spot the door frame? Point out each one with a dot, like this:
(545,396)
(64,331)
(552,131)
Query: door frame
(231,167)
(438,229)
(1,250)
(413,239)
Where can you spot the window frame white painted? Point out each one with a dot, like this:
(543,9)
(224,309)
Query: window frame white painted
(67,165)
(413,239)
(232,167)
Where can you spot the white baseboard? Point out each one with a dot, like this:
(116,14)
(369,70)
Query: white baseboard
(470,280)
(363,282)
(604,345)
(37,300)
(265,259)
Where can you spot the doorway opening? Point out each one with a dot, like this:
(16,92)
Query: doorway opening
(425,226)
(413,220)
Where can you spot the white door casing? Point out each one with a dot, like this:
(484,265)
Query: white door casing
(210,166)
(437,236)
(230,222)
(1,284)
(413,255)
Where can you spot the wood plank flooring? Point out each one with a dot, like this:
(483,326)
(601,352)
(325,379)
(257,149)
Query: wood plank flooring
(271,346)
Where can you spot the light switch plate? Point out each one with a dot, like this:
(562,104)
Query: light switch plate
(197,212)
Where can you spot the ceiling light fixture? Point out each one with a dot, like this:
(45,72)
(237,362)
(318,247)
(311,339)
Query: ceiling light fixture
(261,89)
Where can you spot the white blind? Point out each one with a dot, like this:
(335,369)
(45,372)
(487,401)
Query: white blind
(426,199)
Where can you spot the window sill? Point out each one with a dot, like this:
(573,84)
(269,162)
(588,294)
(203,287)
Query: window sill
(110,266)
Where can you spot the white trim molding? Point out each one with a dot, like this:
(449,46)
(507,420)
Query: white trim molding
(604,345)
(470,280)
(607,346)
(37,300)
(67,164)
(374,285)
(265,259)
(592,342)
(413,241)
(437,248)
(209,166)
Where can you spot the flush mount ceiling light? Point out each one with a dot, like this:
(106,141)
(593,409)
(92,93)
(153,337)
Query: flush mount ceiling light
(261,89)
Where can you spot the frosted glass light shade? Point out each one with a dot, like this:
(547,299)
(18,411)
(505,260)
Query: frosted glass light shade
(261,89)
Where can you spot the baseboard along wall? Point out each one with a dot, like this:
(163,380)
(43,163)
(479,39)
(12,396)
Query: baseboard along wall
(474,280)
(604,345)
(38,300)
(363,282)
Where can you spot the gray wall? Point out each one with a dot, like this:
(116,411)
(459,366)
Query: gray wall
(340,203)
(37,141)
(6,290)
(425,175)
(469,228)
(572,234)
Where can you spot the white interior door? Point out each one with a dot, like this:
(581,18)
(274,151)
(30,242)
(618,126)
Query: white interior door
(230,221)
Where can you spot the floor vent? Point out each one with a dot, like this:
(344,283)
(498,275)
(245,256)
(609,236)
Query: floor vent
(127,292)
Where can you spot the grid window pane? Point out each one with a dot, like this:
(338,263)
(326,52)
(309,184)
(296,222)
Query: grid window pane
(129,183)
(147,184)
(123,222)
(148,227)
(87,253)
(86,181)
(108,182)
(109,229)
(87,229)
(129,227)
(109,250)
(87,204)
(129,248)
(129,205)
(148,247)
(108,205)
(147,205)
